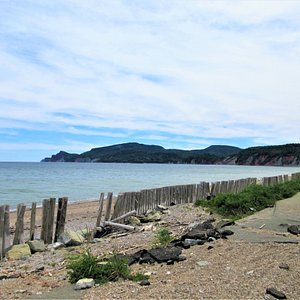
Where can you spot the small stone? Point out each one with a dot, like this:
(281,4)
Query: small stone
(170,262)
(39,268)
(20,291)
(145,282)
(226,232)
(202,263)
(84,283)
(210,247)
(293,229)
(275,293)
(57,245)
(284,266)
(250,272)
(168,273)
(148,273)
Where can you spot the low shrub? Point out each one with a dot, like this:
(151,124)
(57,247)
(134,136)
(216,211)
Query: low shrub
(253,198)
(86,265)
(163,237)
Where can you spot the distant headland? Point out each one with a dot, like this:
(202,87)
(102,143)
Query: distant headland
(281,155)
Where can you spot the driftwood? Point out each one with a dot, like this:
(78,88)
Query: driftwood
(117,225)
(133,212)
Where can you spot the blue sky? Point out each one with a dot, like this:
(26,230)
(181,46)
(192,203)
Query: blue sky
(178,73)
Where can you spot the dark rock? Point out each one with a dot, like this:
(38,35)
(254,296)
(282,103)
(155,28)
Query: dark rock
(146,258)
(103,232)
(172,203)
(226,232)
(284,266)
(181,258)
(145,282)
(193,242)
(195,234)
(224,223)
(275,293)
(293,229)
(165,254)
(39,268)
(211,232)
(210,247)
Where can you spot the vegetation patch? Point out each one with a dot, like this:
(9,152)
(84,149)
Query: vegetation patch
(253,198)
(163,237)
(113,268)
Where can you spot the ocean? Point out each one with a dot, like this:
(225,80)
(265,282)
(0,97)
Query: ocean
(22,182)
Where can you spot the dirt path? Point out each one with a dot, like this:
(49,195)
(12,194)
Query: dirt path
(270,224)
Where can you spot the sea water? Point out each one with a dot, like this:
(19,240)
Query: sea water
(32,182)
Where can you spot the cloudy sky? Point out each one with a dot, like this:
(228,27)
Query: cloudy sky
(179,73)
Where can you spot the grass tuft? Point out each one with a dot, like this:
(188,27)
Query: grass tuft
(163,237)
(86,265)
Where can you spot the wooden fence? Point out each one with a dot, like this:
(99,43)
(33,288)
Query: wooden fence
(140,202)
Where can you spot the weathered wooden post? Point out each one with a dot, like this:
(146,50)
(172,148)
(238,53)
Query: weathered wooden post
(19,232)
(48,220)
(4,229)
(101,200)
(61,217)
(32,221)
(108,206)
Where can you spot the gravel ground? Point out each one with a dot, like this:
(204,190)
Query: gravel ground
(234,269)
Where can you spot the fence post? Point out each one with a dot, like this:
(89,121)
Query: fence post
(108,206)
(4,229)
(32,221)
(61,217)
(101,200)
(19,232)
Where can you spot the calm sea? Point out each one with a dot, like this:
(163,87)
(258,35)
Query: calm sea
(28,182)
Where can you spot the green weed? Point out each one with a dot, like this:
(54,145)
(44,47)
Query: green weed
(253,198)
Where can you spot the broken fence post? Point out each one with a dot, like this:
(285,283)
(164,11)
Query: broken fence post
(19,232)
(61,217)
(101,201)
(32,221)
(108,206)
(4,229)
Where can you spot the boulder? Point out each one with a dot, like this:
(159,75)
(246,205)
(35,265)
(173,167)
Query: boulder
(153,216)
(84,283)
(18,252)
(36,246)
(165,254)
(71,238)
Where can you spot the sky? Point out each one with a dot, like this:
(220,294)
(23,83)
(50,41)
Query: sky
(185,74)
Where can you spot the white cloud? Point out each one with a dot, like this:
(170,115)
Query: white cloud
(202,69)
